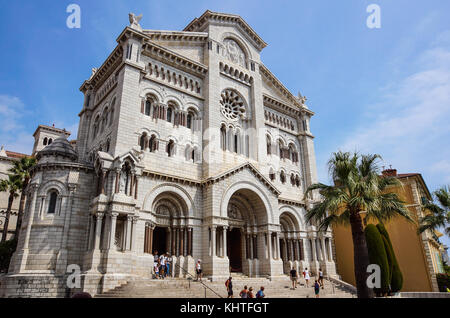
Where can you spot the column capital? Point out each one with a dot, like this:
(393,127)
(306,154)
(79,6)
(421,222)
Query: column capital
(114,214)
(135,219)
(100,215)
(130,218)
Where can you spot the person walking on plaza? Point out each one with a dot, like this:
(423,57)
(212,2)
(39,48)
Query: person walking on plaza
(316,288)
(169,264)
(244,293)
(162,265)
(307,277)
(260,293)
(321,278)
(250,293)
(229,285)
(155,264)
(198,270)
(294,277)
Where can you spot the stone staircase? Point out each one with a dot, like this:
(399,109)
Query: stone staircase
(279,287)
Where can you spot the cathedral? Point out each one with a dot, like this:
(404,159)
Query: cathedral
(187,144)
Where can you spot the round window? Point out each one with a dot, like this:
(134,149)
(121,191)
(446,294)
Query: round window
(232,105)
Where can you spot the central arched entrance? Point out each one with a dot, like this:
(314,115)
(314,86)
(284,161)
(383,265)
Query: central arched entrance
(160,240)
(245,237)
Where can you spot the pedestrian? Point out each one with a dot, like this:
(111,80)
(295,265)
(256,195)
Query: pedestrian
(244,293)
(317,288)
(307,277)
(321,278)
(169,264)
(198,269)
(162,265)
(250,293)
(155,264)
(229,285)
(294,277)
(260,293)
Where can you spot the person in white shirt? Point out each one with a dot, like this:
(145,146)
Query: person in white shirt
(162,267)
(198,269)
(306,276)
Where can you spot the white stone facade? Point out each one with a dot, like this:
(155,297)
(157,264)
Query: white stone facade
(186,142)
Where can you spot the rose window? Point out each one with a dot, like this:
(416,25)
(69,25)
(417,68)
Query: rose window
(232,105)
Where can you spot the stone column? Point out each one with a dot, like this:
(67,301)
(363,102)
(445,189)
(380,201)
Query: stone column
(103,179)
(190,241)
(136,181)
(181,251)
(112,234)
(224,247)
(173,238)
(98,231)
(277,245)
(255,246)
(313,243)
(213,241)
(134,235)
(33,187)
(324,251)
(116,186)
(128,237)
(330,250)
(150,238)
(269,244)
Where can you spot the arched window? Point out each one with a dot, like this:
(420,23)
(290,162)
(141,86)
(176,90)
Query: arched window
(280,148)
(111,114)
(271,174)
(104,120)
(169,114)
(236,143)
(143,140)
(50,141)
(193,155)
(223,138)
(282,177)
(96,122)
(269,145)
(52,202)
(170,147)
(292,179)
(108,144)
(297,181)
(189,121)
(45,141)
(153,144)
(148,107)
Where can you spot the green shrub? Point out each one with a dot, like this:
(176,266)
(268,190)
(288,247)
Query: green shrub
(396,274)
(7,249)
(377,255)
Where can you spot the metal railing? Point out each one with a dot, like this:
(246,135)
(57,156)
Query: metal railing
(204,285)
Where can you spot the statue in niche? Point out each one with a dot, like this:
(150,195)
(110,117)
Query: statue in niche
(122,181)
(234,52)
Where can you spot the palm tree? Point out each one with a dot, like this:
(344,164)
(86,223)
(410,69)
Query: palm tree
(22,169)
(358,189)
(440,212)
(12,185)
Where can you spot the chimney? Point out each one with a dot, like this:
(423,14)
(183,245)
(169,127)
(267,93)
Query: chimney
(389,172)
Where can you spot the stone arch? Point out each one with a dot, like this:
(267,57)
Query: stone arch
(240,41)
(169,188)
(151,91)
(248,186)
(295,215)
(53,184)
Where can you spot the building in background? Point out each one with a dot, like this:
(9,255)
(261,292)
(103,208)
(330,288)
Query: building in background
(418,255)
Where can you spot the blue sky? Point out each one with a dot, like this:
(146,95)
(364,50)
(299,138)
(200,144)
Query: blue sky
(383,91)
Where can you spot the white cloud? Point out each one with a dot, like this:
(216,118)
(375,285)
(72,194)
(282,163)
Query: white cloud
(410,125)
(13,133)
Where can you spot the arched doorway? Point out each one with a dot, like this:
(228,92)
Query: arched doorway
(234,250)
(246,238)
(160,240)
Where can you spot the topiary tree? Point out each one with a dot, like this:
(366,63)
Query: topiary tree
(378,255)
(396,275)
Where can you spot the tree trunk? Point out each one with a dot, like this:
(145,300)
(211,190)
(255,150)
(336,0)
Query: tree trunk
(361,256)
(21,208)
(8,214)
